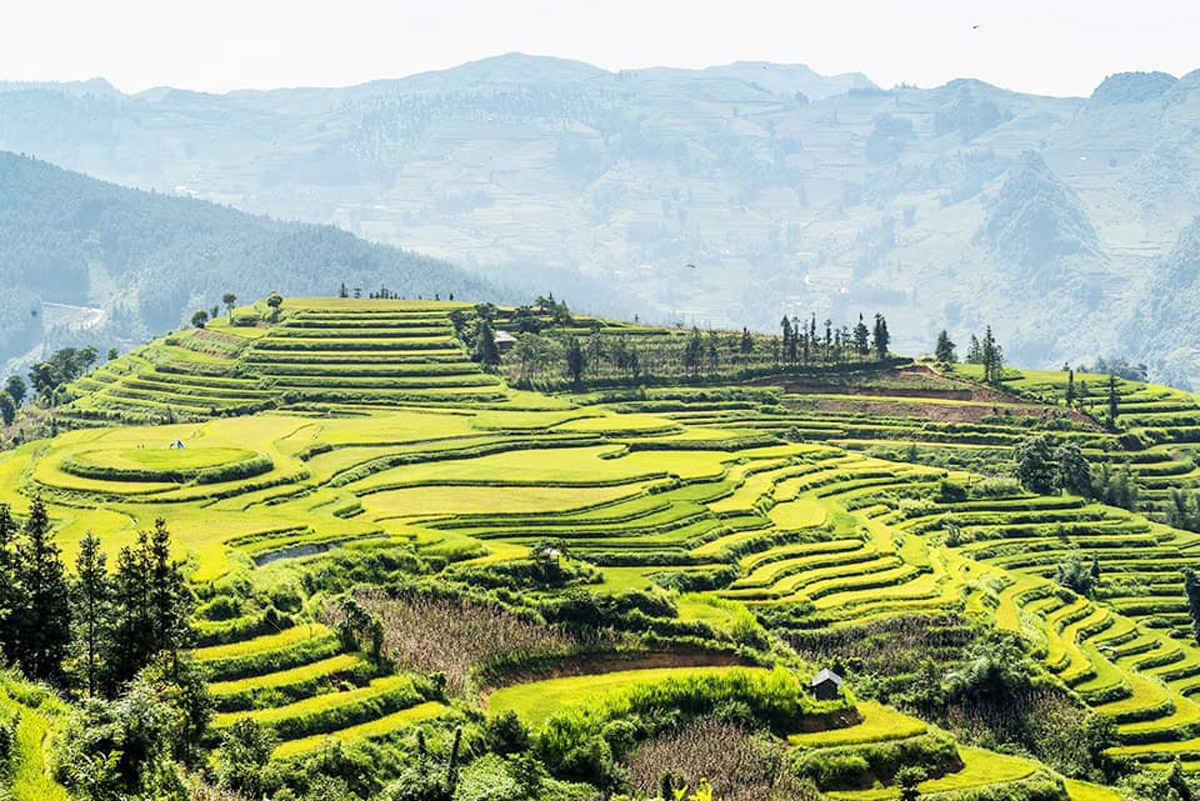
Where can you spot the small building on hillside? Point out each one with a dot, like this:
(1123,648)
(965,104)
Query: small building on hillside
(178,445)
(504,341)
(826,685)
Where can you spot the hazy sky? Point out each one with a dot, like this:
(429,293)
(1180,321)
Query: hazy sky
(1047,46)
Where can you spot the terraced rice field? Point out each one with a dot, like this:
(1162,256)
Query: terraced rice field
(371,425)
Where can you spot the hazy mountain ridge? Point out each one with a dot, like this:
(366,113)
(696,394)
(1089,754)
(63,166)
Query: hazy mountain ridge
(148,261)
(789,192)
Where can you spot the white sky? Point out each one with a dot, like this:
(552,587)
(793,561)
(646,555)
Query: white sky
(1045,46)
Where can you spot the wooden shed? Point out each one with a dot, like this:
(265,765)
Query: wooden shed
(826,685)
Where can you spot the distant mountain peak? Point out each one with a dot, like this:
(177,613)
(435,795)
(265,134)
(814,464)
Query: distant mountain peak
(510,68)
(1036,220)
(98,87)
(1132,87)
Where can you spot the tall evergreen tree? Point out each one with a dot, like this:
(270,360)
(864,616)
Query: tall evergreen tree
(1070,388)
(862,337)
(131,646)
(881,337)
(944,351)
(974,351)
(44,621)
(789,339)
(91,607)
(993,358)
(1114,402)
(486,351)
(168,596)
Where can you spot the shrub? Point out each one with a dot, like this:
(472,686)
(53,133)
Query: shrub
(222,607)
(857,766)
(506,734)
(774,699)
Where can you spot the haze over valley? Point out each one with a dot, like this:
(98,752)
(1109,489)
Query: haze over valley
(957,206)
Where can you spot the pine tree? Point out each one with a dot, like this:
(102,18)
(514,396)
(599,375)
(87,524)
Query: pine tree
(881,337)
(168,596)
(789,339)
(974,351)
(862,337)
(44,621)
(993,358)
(1114,402)
(747,343)
(486,351)
(944,352)
(1070,389)
(90,610)
(131,645)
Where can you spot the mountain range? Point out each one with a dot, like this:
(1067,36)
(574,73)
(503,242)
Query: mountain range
(85,261)
(1056,221)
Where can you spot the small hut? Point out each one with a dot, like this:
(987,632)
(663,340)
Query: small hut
(826,685)
(504,341)
(178,445)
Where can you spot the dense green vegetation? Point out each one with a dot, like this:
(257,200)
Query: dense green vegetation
(403,578)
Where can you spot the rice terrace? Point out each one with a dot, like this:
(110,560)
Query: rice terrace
(611,558)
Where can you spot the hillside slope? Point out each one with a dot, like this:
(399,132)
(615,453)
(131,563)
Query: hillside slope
(832,510)
(84,258)
(788,191)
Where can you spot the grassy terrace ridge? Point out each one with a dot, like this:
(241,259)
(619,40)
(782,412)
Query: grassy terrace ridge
(362,429)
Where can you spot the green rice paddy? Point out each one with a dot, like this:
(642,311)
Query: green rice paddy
(354,422)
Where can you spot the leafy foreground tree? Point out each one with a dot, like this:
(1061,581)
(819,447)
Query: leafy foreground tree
(242,763)
(1035,467)
(1160,785)
(1044,469)
(1073,574)
(907,779)
(139,744)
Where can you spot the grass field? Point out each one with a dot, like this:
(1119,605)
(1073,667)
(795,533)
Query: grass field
(536,702)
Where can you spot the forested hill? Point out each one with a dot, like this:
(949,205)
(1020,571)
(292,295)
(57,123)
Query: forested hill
(952,207)
(85,259)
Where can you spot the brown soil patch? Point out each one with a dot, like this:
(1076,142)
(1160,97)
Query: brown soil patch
(918,382)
